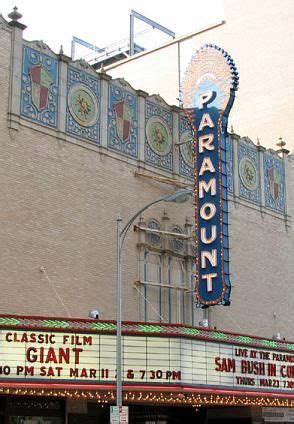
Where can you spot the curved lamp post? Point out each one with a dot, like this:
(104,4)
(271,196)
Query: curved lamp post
(179,196)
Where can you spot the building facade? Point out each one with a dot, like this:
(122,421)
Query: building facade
(257,36)
(79,150)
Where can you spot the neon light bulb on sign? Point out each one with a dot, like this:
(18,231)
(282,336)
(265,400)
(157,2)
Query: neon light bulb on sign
(208,93)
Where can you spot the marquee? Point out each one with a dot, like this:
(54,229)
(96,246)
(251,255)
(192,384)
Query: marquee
(169,357)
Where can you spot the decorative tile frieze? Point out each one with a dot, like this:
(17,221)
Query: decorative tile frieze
(83,105)
(249,177)
(186,147)
(39,87)
(274,182)
(122,121)
(158,142)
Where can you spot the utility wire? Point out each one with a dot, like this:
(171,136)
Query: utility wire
(42,269)
(150,304)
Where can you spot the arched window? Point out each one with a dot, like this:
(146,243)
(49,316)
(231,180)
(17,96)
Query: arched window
(152,293)
(166,276)
(166,290)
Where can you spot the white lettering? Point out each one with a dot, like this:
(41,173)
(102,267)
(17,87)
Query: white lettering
(207,211)
(206,187)
(205,98)
(209,278)
(206,121)
(204,237)
(206,166)
(210,256)
(205,141)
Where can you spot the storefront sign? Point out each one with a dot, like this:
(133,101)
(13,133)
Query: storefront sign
(207,94)
(174,361)
(281,415)
(119,414)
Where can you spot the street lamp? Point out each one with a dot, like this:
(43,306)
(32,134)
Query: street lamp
(179,196)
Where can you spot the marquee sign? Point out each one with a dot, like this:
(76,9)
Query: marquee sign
(172,361)
(207,95)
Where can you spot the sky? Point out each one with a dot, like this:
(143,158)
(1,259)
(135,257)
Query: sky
(56,21)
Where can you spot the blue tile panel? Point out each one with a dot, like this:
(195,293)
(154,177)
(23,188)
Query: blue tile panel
(274,183)
(186,150)
(229,165)
(83,105)
(39,87)
(249,178)
(158,140)
(122,121)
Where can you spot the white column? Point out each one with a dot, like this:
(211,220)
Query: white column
(141,124)
(104,81)
(15,74)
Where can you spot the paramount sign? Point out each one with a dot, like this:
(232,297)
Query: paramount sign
(208,94)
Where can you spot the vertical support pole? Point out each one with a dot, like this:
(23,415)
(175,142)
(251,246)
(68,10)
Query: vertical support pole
(72,49)
(179,72)
(131,49)
(119,314)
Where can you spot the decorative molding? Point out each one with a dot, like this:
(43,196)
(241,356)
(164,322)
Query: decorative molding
(158,141)
(160,329)
(122,120)
(83,105)
(152,238)
(124,84)
(39,87)
(274,182)
(247,141)
(249,171)
(156,98)
(186,149)
(142,93)
(176,244)
(4,24)
(82,65)
(41,46)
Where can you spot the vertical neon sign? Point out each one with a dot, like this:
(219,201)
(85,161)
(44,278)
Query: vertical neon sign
(208,93)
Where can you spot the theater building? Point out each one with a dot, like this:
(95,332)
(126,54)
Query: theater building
(79,150)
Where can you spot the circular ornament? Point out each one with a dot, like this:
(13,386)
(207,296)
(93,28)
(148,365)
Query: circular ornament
(176,244)
(158,136)
(187,149)
(248,173)
(83,105)
(152,237)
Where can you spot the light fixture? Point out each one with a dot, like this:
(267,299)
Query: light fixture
(94,314)
(179,196)
(204,323)
(277,336)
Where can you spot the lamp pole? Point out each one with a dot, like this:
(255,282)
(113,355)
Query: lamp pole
(179,196)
